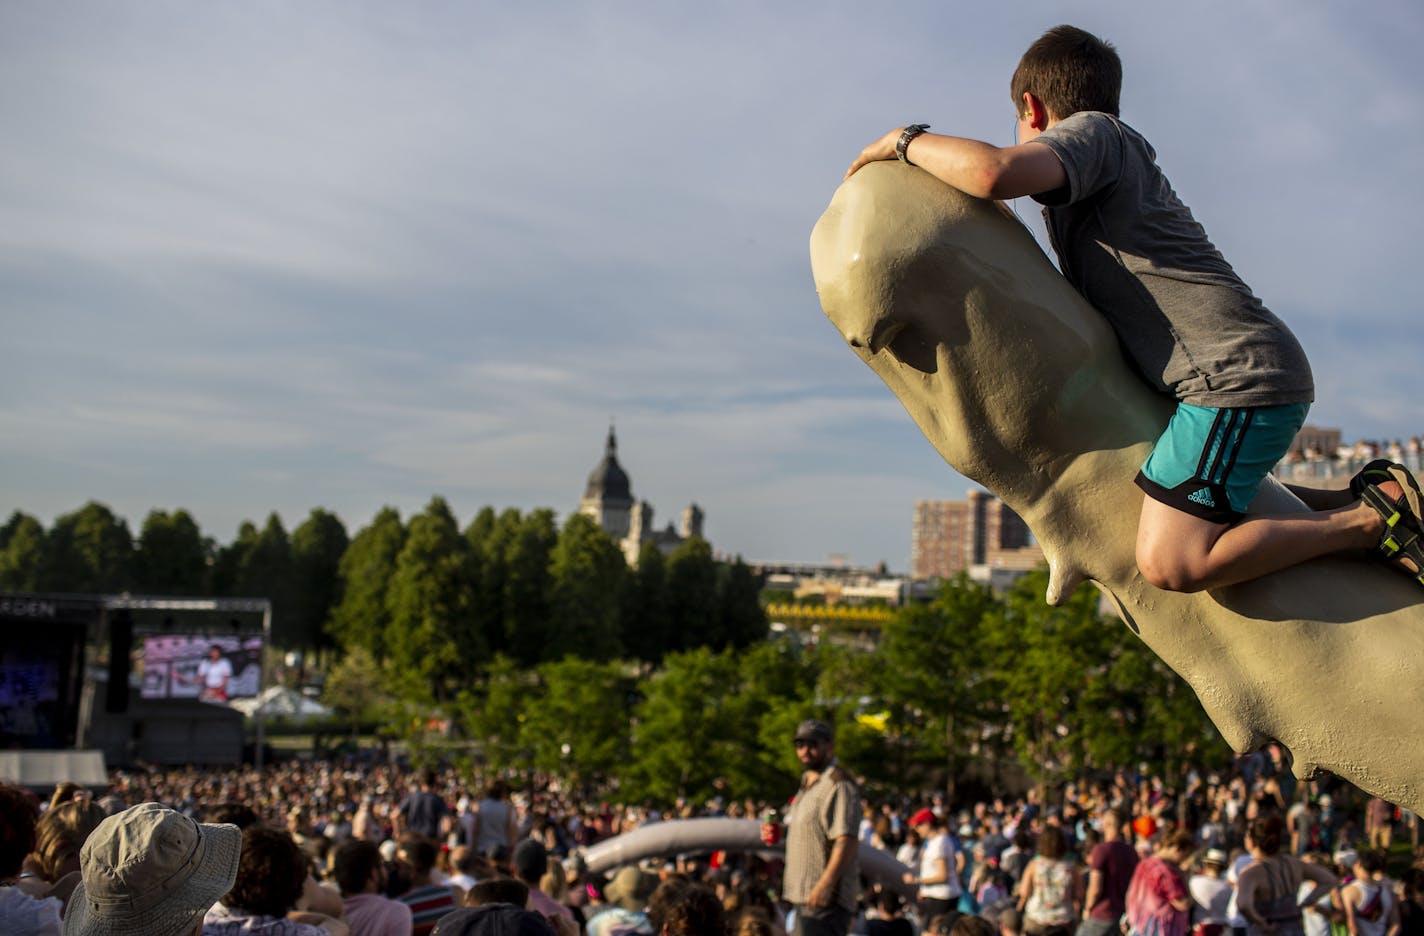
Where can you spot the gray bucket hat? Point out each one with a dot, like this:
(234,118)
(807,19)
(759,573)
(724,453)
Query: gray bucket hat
(149,871)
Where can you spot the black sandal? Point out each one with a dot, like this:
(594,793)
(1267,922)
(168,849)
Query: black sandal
(1403,536)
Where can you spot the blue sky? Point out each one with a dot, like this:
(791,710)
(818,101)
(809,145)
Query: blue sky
(275,256)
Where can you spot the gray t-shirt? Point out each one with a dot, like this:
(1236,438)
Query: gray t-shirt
(1128,244)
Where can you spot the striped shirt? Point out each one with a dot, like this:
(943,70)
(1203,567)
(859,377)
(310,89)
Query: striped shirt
(428,904)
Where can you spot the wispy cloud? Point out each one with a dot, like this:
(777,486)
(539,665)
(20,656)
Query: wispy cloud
(271,256)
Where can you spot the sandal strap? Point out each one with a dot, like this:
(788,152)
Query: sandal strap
(1373,473)
(1413,496)
(1401,536)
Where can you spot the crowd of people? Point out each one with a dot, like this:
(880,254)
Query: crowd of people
(307,848)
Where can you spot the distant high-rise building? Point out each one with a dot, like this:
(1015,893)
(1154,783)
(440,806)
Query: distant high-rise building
(979,535)
(608,498)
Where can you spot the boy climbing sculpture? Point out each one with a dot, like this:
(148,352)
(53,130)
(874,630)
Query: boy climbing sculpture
(1185,320)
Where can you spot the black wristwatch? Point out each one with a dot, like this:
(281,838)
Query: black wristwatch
(906,135)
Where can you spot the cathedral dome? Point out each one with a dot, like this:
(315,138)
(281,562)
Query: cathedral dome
(608,482)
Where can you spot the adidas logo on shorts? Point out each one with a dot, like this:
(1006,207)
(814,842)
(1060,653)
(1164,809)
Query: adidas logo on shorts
(1202,497)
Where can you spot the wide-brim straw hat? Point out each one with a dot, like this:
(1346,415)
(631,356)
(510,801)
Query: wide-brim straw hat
(150,871)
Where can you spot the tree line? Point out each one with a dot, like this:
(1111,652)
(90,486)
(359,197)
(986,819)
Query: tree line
(436,602)
(970,689)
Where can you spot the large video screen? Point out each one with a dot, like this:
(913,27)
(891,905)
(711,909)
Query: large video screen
(210,669)
(39,684)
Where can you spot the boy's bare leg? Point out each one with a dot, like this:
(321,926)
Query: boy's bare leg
(1179,552)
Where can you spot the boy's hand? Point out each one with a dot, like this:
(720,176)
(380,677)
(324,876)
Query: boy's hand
(883,148)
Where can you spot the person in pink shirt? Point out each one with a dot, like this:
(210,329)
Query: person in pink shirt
(531,860)
(362,878)
(1158,902)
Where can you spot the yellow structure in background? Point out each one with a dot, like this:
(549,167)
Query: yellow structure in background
(851,617)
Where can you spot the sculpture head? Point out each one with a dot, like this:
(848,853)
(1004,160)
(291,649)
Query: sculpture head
(949,299)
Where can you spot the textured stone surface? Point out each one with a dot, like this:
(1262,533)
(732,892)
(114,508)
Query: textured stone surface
(1021,387)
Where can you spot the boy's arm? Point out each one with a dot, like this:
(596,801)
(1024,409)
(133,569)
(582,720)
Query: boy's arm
(979,169)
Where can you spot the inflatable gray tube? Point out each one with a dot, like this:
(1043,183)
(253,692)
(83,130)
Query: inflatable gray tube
(692,836)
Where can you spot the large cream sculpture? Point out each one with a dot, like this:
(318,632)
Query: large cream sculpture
(1021,386)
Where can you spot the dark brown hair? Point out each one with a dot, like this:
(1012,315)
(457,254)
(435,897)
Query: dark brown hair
(669,892)
(419,851)
(270,873)
(1265,831)
(497,890)
(18,812)
(971,925)
(754,921)
(1050,842)
(353,865)
(1069,70)
(697,912)
(1182,840)
(238,814)
(1371,860)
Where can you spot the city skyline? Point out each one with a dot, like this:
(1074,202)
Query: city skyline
(279,257)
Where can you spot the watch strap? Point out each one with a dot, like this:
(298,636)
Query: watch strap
(906,135)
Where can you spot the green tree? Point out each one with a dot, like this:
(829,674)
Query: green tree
(90,550)
(682,736)
(577,726)
(355,687)
(645,613)
(1146,712)
(588,575)
(494,714)
(846,696)
(935,678)
(743,621)
(317,547)
(264,570)
(527,627)
(491,539)
(693,620)
(230,560)
(22,558)
(360,618)
(477,534)
(1052,665)
(172,555)
(8,528)
(777,692)
(431,638)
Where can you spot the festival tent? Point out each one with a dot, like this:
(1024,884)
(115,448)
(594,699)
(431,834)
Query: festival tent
(281,702)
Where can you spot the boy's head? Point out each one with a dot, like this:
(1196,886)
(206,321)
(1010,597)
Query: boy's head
(1069,70)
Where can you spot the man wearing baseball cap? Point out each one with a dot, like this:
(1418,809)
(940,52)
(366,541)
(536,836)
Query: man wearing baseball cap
(822,870)
(149,871)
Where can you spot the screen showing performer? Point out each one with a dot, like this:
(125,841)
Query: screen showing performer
(211,669)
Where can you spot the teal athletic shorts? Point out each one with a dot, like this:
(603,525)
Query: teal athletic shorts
(1210,462)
